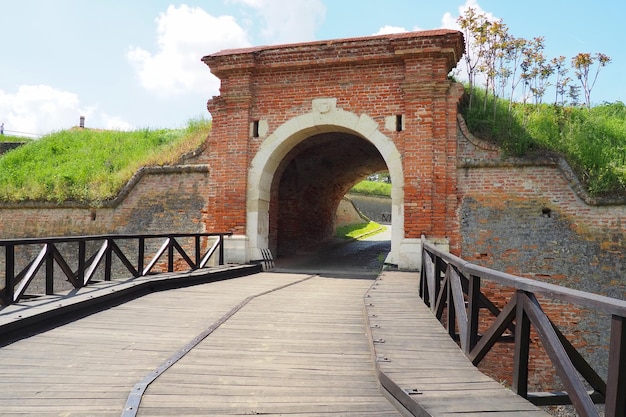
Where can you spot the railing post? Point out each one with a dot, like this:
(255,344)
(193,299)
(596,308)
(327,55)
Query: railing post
(451,309)
(616,383)
(438,270)
(82,253)
(141,250)
(49,269)
(197,247)
(108,260)
(170,255)
(9,277)
(221,250)
(522,348)
(420,288)
(473,313)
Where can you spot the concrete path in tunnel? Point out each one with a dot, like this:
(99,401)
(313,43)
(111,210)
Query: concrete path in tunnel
(361,258)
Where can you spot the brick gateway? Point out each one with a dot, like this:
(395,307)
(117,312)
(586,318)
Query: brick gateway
(296,126)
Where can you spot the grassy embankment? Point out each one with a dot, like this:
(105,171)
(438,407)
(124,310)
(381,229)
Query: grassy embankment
(90,166)
(373,188)
(355,230)
(593,141)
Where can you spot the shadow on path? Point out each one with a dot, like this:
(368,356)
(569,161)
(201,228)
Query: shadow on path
(363,258)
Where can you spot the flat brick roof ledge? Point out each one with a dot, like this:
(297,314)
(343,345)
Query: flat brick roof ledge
(448,43)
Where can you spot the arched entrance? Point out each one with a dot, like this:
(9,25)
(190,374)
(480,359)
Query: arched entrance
(324,127)
(282,107)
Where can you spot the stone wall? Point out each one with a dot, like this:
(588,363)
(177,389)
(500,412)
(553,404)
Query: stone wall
(376,208)
(156,200)
(529,217)
(348,213)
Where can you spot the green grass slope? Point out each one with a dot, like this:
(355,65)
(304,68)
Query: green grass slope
(592,140)
(90,166)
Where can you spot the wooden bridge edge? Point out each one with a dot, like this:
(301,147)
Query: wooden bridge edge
(404,400)
(28,318)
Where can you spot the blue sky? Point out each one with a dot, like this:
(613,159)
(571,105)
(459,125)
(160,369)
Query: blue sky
(132,64)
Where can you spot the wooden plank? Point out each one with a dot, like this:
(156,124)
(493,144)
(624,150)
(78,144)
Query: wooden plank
(102,353)
(288,348)
(414,351)
(302,350)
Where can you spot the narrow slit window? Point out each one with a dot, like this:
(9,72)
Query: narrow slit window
(255,129)
(398,123)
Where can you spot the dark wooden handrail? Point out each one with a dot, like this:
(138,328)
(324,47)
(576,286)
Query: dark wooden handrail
(109,247)
(452,285)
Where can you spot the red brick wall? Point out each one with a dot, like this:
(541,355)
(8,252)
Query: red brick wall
(379,77)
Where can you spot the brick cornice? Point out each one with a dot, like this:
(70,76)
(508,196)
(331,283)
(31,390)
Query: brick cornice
(420,45)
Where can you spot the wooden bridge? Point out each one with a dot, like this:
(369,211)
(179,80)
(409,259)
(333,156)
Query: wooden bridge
(234,340)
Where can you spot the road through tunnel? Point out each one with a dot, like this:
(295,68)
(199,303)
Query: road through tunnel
(310,182)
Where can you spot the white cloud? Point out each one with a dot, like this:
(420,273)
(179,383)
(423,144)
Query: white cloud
(35,110)
(184,35)
(387,30)
(449,21)
(38,109)
(287,21)
(115,123)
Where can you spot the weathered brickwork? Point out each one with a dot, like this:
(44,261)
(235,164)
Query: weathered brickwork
(160,202)
(524,217)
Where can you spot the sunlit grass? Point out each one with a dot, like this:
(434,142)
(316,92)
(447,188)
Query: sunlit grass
(90,166)
(353,231)
(374,188)
(593,140)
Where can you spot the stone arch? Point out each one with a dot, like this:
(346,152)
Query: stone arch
(324,118)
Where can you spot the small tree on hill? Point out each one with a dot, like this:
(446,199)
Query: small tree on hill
(583,63)
(537,70)
(562,80)
(472,24)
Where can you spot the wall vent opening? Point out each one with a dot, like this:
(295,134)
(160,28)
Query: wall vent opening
(398,123)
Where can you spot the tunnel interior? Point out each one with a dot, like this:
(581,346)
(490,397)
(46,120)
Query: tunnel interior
(310,182)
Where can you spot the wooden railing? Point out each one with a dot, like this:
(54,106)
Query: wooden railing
(452,286)
(95,256)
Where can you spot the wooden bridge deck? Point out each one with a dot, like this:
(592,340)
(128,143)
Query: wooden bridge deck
(269,343)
